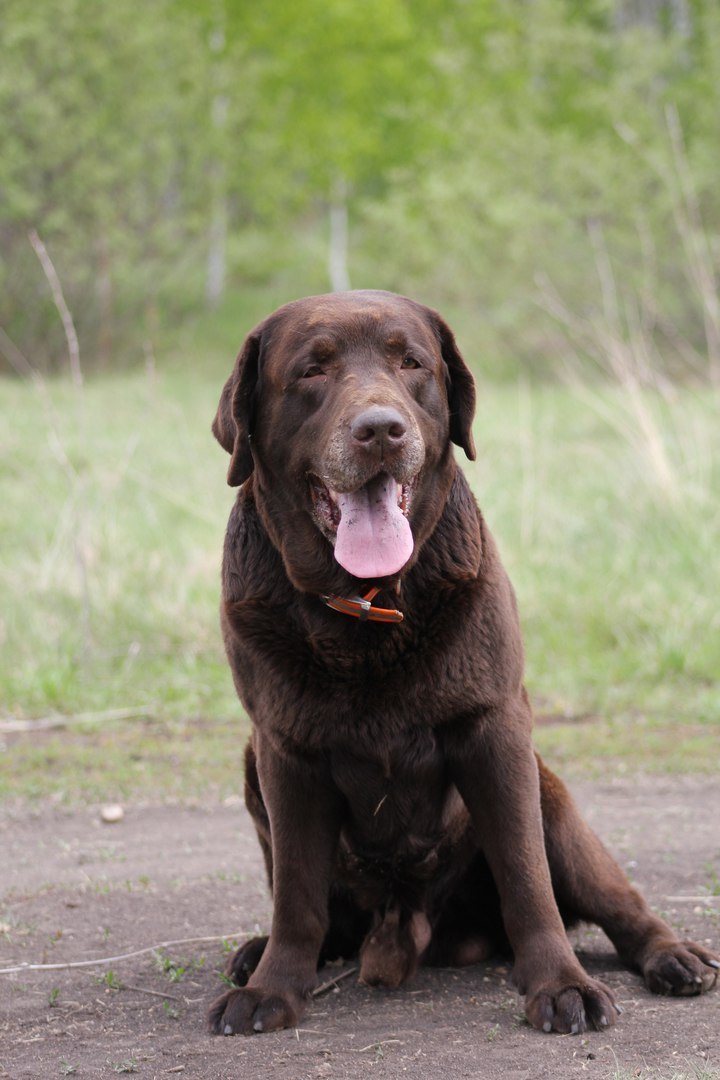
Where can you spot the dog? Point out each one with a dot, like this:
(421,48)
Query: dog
(373,638)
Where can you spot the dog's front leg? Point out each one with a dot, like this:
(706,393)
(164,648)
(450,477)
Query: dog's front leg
(494,768)
(304,811)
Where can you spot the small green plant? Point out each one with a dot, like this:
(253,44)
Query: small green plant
(53,997)
(171,1011)
(128,1066)
(493,1033)
(225,979)
(110,980)
(714,887)
(174,971)
(66,1069)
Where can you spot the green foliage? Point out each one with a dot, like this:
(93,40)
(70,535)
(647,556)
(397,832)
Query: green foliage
(491,155)
(171,1011)
(110,981)
(130,1065)
(545,173)
(345,87)
(173,971)
(560,133)
(100,105)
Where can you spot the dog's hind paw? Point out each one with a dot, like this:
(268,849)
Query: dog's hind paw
(245,959)
(681,968)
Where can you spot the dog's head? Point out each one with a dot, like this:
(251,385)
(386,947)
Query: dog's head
(344,407)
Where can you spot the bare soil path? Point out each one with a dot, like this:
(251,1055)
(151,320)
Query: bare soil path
(73,889)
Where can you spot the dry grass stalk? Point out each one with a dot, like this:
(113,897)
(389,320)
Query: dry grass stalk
(78,479)
(627,359)
(696,244)
(59,301)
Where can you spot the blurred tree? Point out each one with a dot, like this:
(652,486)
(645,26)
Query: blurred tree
(558,137)
(349,92)
(102,120)
(470,149)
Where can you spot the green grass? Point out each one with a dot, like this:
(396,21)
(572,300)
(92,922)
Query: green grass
(617,572)
(144,512)
(618,578)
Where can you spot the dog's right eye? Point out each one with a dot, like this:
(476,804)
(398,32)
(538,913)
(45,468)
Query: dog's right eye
(314,371)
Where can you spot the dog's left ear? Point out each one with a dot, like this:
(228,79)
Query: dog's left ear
(460,387)
(232,426)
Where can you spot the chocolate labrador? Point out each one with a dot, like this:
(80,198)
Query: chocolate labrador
(373,638)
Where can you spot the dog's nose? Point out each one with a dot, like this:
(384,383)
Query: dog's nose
(378,425)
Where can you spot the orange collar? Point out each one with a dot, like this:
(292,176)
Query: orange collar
(360,607)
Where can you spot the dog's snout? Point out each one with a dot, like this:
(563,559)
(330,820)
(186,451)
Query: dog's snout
(378,425)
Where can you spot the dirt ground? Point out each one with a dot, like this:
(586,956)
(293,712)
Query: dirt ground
(76,889)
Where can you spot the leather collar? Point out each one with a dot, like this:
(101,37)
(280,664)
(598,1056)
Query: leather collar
(361,607)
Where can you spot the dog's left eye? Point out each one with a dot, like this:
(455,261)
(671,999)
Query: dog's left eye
(409,362)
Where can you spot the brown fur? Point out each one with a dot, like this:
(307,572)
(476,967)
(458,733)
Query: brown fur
(401,810)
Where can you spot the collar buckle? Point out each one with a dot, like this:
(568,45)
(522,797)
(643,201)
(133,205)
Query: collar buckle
(361,607)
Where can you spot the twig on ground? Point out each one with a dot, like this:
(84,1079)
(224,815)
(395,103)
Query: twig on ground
(123,956)
(324,987)
(375,1045)
(707,898)
(155,993)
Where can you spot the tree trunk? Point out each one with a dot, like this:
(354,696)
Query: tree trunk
(338,247)
(104,292)
(217,239)
(215,274)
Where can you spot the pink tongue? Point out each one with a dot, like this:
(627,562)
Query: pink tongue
(373,536)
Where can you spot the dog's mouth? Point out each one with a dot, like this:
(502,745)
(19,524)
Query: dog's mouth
(369,527)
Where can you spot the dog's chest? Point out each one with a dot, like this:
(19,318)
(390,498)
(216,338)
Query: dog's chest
(397,797)
(403,820)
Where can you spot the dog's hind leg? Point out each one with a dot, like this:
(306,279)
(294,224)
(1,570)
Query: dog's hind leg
(468,928)
(244,960)
(393,946)
(590,886)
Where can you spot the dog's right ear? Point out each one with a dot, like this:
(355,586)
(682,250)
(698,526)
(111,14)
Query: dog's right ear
(233,423)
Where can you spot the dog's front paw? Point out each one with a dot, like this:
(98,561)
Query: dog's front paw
(680,967)
(570,1007)
(253,1010)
